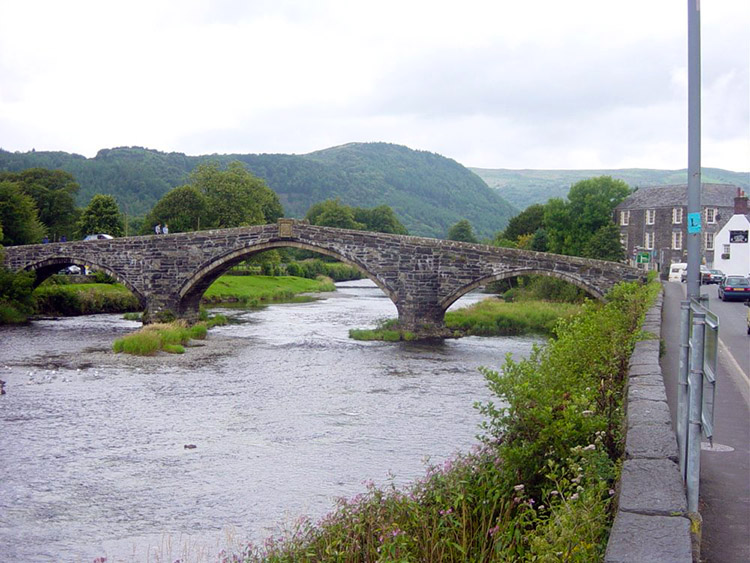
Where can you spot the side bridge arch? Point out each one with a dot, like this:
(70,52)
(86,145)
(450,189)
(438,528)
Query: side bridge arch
(595,291)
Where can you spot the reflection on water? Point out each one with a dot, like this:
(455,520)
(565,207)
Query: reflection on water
(93,455)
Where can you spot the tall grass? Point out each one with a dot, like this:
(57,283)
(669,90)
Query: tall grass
(492,317)
(169,337)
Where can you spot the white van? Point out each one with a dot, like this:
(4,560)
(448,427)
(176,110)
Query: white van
(675,271)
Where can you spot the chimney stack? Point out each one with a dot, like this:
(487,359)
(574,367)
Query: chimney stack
(740,203)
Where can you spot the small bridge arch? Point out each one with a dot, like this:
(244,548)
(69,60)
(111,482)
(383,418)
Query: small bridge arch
(563,276)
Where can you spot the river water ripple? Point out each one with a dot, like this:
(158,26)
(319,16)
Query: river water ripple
(286,414)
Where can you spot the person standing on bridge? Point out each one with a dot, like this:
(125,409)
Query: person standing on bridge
(165,229)
(157,229)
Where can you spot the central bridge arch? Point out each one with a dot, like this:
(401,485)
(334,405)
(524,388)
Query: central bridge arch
(196,285)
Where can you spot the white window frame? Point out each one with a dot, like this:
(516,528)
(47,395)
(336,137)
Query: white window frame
(625,217)
(648,240)
(677,215)
(710,215)
(624,239)
(676,240)
(710,240)
(650,216)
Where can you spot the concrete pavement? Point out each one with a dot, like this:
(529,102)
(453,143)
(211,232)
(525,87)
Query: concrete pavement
(725,469)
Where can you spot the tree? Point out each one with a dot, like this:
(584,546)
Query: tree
(605,244)
(18,215)
(571,224)
(380,219)
(53,192)
(333,213)
(101,215)
(184,208)
(462,231)
(525,223)
(235,197)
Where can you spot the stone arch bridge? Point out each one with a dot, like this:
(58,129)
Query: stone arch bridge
(422,276)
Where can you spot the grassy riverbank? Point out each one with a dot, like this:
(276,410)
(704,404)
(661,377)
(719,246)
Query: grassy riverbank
(83,299)
(489,317)
(257,290)
(539,488)
(62,299)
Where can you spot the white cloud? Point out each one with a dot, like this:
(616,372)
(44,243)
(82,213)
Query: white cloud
(542,84)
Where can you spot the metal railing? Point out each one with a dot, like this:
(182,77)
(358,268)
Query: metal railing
(696,391)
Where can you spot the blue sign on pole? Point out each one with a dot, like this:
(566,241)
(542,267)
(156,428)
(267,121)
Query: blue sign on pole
(694,222)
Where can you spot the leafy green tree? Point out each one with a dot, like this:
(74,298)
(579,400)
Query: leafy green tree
(605,244)
(333,213)
(462,231)
(18,215)
(235,197)
(184,209)
(53,192)
(101,215)
(571,224)
(380,219)
(525,223)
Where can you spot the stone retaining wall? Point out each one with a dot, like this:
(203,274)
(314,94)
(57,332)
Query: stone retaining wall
(652,523)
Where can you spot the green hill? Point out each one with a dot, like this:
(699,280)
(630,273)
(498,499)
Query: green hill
(525,187)
(428,192)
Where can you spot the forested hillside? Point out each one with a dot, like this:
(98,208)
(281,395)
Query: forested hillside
(525,187)
(428,192)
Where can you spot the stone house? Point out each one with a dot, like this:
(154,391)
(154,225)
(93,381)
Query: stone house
(731,244)
(653,223)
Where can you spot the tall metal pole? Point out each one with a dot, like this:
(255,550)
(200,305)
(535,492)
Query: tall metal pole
(694,150)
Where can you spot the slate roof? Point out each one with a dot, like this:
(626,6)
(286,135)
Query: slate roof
(650,197)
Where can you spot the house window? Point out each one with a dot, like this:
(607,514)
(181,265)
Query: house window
(725,253)
(677,215)
(649,242)
(710,241)
(677,240)
(624,239)
(625,217)
(650,216)
(710,215)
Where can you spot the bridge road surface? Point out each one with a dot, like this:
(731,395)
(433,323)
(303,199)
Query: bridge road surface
(725,473)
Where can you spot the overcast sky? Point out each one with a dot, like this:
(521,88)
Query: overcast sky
(493,84)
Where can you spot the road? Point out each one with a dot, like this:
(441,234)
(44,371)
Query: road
(725,468)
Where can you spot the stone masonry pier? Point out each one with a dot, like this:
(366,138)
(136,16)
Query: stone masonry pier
(422,276)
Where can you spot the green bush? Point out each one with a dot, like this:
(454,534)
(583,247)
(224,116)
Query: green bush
(142,343)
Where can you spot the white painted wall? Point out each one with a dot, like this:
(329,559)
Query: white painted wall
(739,253)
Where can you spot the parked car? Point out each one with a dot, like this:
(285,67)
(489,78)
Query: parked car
(734,288)
(70,271)
(675,271)
(705,274)
(715,276)
(99,236)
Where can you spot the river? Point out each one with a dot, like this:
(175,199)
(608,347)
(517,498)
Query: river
(286,414)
